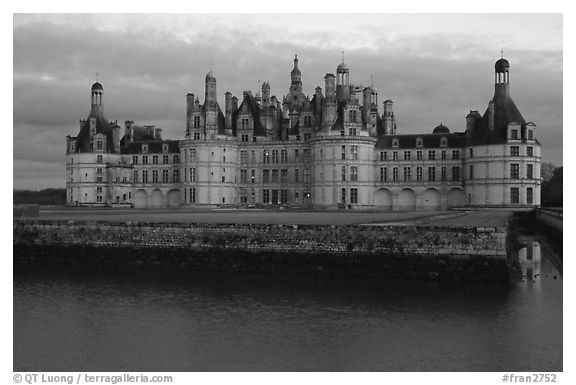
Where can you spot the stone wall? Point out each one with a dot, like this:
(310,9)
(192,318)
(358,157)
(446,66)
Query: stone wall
(383,251)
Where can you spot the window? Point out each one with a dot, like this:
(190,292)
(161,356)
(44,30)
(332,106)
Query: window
(354,195)
(144,176)
(99,198)
(154,176)
(343,152)
(471,150)
(165,176)
(514,171)
(266,156)
(253,176)
(243,176)
(419,174)
(99,145)
(514,151)
(395,143)
(245,137)
(165,159)
(407,171)
(134,160)
(283,196)
(443,173)
(406,155)
(145,159)
(144,149)
(296,176)
(343,195)
(296,155)
(274,156)
(275,176)
(284,176)
(98,190)
(265,176)
(455,154)
(343,173)
(176,176)
(529,151)
(354,151)
(352,116)
(383,156)
(530,171)
(243,156)
(154,159)
(196,122)
(196,136)
(419,142)
(253,156)
(529,196)
(514,134)
(193,194)
(383,174)
(176,159)
(395,174)
(193,153)
(284,156)
(432,174)
(352,130)
(431,155)
(395,155)
(135,176)
(419,155)
(471,172)
(530,135)
(193,175)
(353,173)
(266,196)
(514,195)
(443,154)
(99,159)
(307,178)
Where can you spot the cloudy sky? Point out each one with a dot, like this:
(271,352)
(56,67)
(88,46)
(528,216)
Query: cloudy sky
(434,67)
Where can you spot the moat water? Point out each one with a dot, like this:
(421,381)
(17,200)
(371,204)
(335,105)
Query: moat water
(236,322)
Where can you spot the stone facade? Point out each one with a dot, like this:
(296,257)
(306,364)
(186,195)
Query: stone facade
(334,150)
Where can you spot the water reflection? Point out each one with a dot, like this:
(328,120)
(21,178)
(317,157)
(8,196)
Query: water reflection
(198,322)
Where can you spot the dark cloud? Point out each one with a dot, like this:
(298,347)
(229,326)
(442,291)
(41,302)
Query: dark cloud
(147,72)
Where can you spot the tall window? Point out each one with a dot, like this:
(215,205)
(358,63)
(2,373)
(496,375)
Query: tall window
(354,195)
(352,130)
(455,154)
(144,176)
(193,195)
(514,134)
(175,175)
(196,121)
(98,158)
(193,175)
(443,154)
(274,156)
(456,174)
(530,171)
(343,152)
(265,196)
(99,145)
(265,176)
(343,173)
(266,156)
(395,155)
(406,155)
(135,176)
(530,135)
(514,195)
(353,173)
(243,176)
(154,159)
(529,196)
(432,174)
(154,176)
(514,171)
(529,151)
(407,171)
(164,176)
(383,156)
(284,156)
(296,176)
(471,172)
(395,174)
(284,176)
(419,174)
(419,155)
(343,195)
(253,176)
(514,150)
(443,173)
(354,151)
(431,155)
(134,159)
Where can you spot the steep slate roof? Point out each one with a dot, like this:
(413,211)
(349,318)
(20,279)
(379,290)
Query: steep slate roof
(102,127)
(154,147)
(457,139)
(505,112)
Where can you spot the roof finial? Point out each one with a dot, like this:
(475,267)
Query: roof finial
(96,77)
(342,57)
(502,53)
(371,81)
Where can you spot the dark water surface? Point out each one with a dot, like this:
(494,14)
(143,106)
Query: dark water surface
(237,322)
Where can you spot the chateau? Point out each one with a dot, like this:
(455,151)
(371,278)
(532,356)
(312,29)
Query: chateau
(334,150)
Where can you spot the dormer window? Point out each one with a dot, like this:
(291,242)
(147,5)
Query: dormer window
(99,145)
(164,147)
(144,149)
(419,142)
(443,142)
(514,134)
(395,142)
(530,135)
